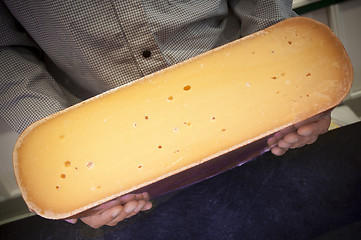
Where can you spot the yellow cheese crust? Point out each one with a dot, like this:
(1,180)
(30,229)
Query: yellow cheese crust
(179,117)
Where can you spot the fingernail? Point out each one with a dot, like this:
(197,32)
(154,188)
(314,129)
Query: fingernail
(115,213)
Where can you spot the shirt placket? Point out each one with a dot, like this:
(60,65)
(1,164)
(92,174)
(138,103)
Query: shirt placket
(140,39)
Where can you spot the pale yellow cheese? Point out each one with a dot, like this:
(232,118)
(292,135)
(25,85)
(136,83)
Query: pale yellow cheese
(180,117)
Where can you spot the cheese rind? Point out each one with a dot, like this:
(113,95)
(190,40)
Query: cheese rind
(179,117)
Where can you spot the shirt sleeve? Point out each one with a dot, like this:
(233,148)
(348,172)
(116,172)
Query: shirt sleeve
(256,15)
(28,92)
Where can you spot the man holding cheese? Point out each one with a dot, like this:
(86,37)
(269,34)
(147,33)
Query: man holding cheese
(57,53)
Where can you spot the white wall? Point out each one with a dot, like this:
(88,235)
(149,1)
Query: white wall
(300,3)
(344,19)
(8,186)
(350,20)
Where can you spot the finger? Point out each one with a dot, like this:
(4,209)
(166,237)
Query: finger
(130,197)
(130,207)
(139,196)
(309,130)
(127,198)
(278,151)
(311,139)
(147,206)
(326,122)
(283,144)
(272,141)
(316,128)
(127,210)
(303,141)
(98,220)
(292,138)
(146,196)
(297,145)
(117,217)
(275,138)
(115,202)
(143,200)
(141,204)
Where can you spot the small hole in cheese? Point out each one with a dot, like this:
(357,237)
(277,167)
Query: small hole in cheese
(187,123)
(170,98)
(223,130)
(289,42)
(308,75)
(63,175)
(90,165)
(140,166)
(160,147)
(146,117)
(57,187)
(67,164)
(213,118)
(187,88)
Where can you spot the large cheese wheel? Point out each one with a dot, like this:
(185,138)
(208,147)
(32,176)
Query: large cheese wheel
(180,117)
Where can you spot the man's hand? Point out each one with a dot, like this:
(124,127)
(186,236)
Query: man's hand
(306,134)
(123,207)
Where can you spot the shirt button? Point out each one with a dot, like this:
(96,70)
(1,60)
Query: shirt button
(146,53)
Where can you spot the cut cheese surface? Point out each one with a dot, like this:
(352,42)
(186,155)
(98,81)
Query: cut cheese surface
(179,117)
